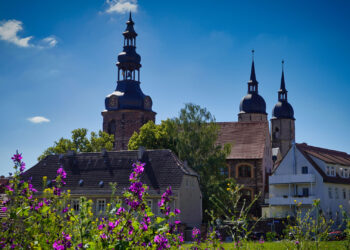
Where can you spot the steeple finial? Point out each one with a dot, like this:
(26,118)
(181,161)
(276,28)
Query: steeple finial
(130,18)
(252,73)
(283,85)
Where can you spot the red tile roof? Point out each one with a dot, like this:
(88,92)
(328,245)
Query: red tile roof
(247,138)
(328,156)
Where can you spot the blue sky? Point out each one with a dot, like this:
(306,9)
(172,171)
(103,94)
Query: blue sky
(58,62)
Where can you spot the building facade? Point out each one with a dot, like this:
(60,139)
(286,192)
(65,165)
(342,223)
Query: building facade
(90,175)
(308,173)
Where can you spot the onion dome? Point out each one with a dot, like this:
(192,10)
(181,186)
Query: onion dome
(128,94)
(252,102)
(282,109)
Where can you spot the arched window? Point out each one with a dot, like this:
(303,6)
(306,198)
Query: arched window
(245,171)
(111,127)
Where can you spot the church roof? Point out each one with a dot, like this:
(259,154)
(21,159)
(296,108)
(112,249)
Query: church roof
(162,169)
(247,139)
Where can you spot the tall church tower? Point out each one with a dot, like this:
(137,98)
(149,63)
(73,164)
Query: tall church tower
(282,121)
(252,107)
(127,108)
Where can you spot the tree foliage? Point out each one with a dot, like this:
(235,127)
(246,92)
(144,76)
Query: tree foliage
(79,142)
(192,137)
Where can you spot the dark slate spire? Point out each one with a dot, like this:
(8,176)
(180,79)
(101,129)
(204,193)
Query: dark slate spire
(252,102)
(128,94)
(253,83)
(283,110)
(282,93)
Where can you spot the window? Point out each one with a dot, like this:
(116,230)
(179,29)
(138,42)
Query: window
(336,193)
(75,205)
(327,170)
(101,205)
(246,195)
(305,192)
(332,171)
(245,171)
(330,194)
(224,171)
(304,170)
(346,173)
(149,204)
(341,171)
(344,193)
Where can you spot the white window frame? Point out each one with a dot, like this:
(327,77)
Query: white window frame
(328,171)
(336,193)
(75,204)
(330,194)
(103,201)
(346,173)
(333,171)
(341,172)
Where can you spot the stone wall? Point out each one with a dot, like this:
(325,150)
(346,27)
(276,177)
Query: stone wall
(123,123)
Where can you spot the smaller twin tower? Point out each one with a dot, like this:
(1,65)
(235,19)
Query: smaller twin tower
(127,108)
(253,109)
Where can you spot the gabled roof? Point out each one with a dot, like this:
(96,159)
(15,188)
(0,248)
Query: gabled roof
(328,156)
(247,139)
(162,169)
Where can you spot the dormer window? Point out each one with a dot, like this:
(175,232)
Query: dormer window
(341,172)
(328,172)
(304,170)
(332,171)
(346,173)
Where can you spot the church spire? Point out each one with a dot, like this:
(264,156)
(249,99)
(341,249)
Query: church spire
(253,83)
(282,93)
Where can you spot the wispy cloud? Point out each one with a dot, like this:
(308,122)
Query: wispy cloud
(38,119)
(9,32)
(121,6)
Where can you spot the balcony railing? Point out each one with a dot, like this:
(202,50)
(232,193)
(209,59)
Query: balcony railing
(292,178)
(289,200)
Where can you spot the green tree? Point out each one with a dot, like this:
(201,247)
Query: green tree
(80,143)
(192,137)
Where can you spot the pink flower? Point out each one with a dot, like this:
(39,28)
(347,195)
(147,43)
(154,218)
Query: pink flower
(103,236)
(144,226)
(177,211)
(4,209)
(100,227)
(177,222)
(17,157)
(61,172)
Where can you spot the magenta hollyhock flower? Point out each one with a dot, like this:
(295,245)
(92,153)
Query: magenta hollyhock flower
(147,219)
(100,227)
(261,241)
(181,238)
(57,245)
(161,241)
(4,209)
(111,225)
(57,191)
(177,211)
(61,172)
(297,243)
(9,188)
(144,226)
(131,230)
(22,167)
(196,234)
(120,210)
(17,157)
(65,210)
(161,203)
(103,236)
(177,222)
(138,168)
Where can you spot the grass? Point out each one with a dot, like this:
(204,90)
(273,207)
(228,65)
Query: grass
(281,245)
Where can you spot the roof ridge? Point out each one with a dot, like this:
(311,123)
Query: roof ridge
(324,150)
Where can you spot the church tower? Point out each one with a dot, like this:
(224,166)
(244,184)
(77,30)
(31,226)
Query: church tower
(127,108)
(282,121)
(252,107)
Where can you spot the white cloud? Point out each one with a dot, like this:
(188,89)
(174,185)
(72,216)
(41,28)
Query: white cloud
(51,41)
(38,119)
(121,6)
(9,30)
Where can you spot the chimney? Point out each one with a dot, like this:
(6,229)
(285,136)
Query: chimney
(140,152)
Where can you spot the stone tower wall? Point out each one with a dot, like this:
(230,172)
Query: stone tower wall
(251,117)
(282,134)
(123,123)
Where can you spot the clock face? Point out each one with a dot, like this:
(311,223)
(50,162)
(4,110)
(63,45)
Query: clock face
(113,102)
(147,103)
